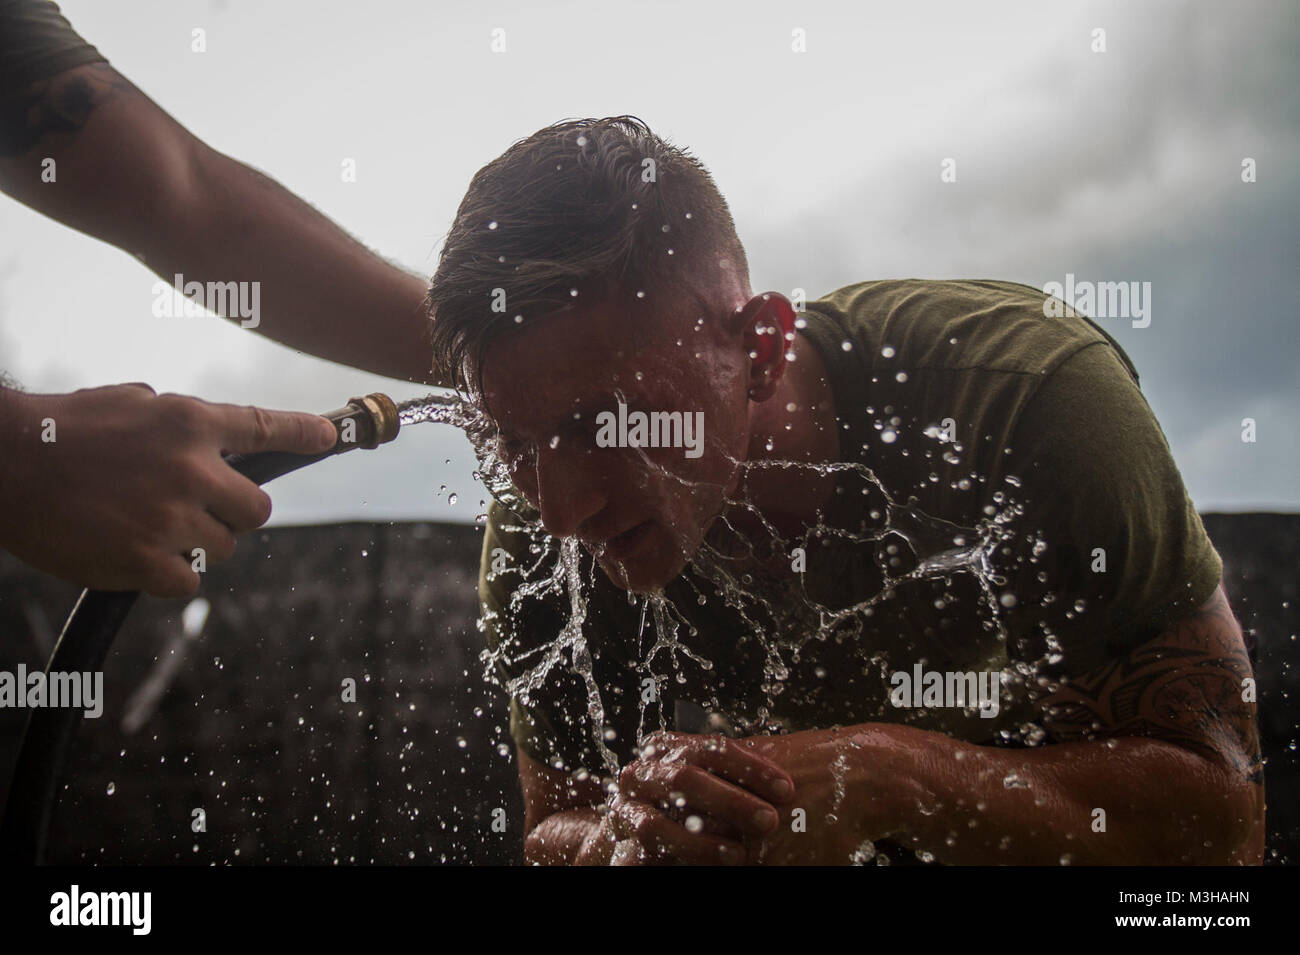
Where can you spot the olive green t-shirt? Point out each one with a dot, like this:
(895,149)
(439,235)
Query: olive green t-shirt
(992,430)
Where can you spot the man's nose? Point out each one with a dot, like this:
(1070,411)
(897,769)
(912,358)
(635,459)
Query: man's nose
(570,488)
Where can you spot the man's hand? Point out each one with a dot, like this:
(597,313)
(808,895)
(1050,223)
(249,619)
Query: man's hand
(851,787)
(114,488)
(693,799)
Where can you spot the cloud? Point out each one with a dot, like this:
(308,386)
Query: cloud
(1116,166)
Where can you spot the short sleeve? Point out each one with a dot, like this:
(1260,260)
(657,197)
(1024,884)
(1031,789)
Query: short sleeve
(1110,549)
(37,42)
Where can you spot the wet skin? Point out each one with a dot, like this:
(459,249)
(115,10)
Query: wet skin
(642,512)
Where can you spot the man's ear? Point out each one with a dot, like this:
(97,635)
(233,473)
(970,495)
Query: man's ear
(767,325)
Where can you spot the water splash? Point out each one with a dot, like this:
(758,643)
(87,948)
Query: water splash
(722,568)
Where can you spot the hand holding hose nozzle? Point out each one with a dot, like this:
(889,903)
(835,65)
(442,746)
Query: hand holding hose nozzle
(365,422)
(116,488)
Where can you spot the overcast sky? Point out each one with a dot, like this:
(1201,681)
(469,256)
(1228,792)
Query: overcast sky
(1115,166)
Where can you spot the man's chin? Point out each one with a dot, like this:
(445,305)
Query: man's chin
(641,577)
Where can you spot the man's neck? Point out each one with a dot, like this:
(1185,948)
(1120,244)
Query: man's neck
(798,424)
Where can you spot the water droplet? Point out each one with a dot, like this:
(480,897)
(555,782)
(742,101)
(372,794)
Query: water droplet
(452,498)
(112,788)
(492,224)
(846,345)
(901,377)
(888,351)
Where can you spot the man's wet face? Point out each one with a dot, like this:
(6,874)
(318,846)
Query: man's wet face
(641,511)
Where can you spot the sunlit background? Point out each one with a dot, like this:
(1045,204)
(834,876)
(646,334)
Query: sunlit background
(1117,166)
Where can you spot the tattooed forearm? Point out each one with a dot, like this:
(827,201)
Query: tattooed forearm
(61,104)
(1185,687)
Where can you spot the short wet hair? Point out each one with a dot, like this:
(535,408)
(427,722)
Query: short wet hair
(603,207)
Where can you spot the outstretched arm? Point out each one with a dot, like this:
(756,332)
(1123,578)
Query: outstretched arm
(129,174)
(1161,741)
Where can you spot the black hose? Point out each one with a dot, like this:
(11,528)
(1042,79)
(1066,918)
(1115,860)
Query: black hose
(82,647)
(89,632)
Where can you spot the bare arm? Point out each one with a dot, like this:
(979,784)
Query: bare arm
(127,173)
(1184,692)
(1160,740)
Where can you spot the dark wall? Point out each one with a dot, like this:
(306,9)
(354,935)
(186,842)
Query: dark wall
(253,730)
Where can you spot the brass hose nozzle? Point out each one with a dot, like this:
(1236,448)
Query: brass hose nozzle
(366,422)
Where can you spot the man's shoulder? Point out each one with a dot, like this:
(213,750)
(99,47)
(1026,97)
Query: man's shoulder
(903,287)
(956,324)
